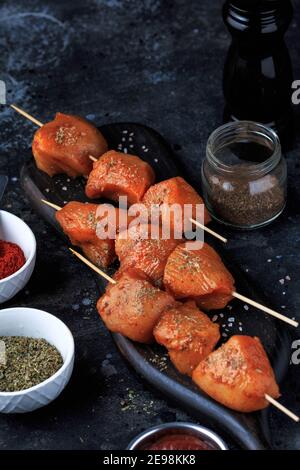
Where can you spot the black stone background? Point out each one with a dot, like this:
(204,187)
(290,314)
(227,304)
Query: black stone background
(155,62)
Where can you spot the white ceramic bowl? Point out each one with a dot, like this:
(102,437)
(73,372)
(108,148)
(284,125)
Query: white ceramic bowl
(13,229)
(22,321)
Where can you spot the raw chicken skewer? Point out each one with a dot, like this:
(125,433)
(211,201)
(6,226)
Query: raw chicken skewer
(92,157)
(187,262)
(164,305)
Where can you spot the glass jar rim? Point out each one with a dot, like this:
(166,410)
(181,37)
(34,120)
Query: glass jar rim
(253,127)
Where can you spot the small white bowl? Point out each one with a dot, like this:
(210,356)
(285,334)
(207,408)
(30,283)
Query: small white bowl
(13,229)
(22,321)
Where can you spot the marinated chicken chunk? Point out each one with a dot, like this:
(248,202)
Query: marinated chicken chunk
(188,334)
(176,191)
(133,306)
(200,274)
(79,222)
(238,375)
(138,248)
(118,174)
(65,144)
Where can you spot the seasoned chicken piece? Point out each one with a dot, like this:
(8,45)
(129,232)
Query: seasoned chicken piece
(199,274)
(238,375)
(118,174)
(65,144)
(175,191)
(136,248)
(133,306)
(79,222)
(188,334)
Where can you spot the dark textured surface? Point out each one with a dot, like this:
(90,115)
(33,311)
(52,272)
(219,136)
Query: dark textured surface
(155,62)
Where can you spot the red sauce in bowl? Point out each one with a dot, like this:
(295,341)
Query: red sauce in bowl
(180,442)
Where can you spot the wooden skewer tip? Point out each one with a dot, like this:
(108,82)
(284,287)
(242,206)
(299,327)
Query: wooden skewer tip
(282,408)
(92,266)
(26,115)
(93,158)
(50,204)
(209,230)
(268,310)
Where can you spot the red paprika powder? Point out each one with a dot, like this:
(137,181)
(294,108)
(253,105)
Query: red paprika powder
(11,258)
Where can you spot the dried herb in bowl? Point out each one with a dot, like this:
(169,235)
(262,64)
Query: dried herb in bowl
(25,362)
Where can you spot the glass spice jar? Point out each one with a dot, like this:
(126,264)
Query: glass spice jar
(244,175)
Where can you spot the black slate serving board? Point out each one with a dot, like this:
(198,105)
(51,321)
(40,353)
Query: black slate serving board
(151,362)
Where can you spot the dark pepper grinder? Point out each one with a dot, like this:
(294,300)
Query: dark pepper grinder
(258,72)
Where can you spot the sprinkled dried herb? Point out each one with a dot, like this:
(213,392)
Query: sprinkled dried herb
(26,362)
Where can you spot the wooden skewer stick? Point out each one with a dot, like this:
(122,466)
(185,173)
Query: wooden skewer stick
(50,204)
(266,309)
(282,408)
(203,227)
(92,266)
(271,400)
(23,113)
(209,230)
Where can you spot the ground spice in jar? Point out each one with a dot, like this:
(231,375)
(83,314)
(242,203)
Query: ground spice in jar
(11,258)
(243,201)
(244,175)
(25,362)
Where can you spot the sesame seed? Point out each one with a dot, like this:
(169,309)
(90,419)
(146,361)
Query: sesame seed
(246,307)
(281,281)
